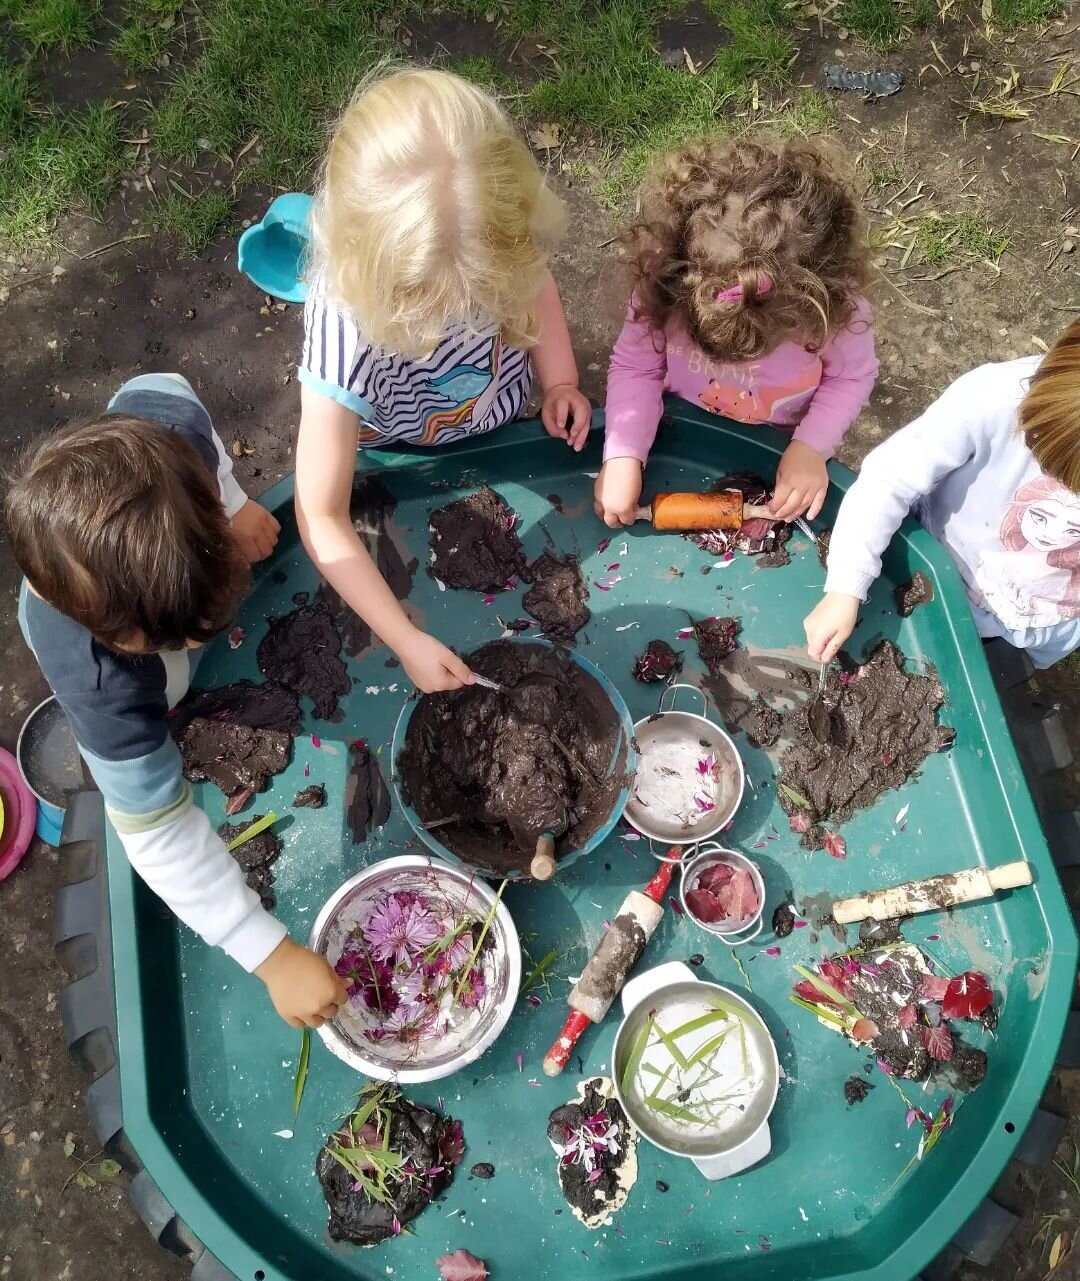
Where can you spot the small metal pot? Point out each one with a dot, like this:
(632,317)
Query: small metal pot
(730,932)
(670,744)
(428,1061)
(747,1139)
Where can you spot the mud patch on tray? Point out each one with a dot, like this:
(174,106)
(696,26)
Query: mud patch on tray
(596,1147)
(312,797)
(258,706)
(302,651)
(765,538)
(746,686)
(557,597)
(235,758)
(255,858)
(372,509)
(507,767)
(474,544)
(883,725)
(369,1198)
(918,590)
(889,1000)
(658,662)
(716,639)
(856,1089)
(356,635)
(367,799)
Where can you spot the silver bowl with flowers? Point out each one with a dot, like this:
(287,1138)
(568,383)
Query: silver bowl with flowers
(432,963)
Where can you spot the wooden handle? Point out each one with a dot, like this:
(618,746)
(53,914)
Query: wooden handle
(1009,876)
(559,1055)
(542,867)
(931,894)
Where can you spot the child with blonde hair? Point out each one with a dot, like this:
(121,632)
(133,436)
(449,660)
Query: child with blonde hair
(992,469)
(748,262)
(431,298)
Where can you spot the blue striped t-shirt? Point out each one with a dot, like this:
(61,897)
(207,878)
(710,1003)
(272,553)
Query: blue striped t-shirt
(471,383)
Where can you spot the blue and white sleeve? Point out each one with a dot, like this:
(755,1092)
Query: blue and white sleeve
(333,354)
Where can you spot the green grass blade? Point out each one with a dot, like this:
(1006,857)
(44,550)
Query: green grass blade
(827,988)
(301,1070)
(536,974)
(703,1020)
(670,1044)
(480,941)
(667,1108)
(637,1049)
(256,829)
(709,1047)
(820,1013)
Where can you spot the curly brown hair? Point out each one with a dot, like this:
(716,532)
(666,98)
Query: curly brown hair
(769,217)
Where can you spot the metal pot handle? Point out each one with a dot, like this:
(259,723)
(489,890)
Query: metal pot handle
(756,1148)
(662,858)
(670,689)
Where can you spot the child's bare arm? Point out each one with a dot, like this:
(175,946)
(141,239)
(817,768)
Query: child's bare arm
(325,466)
(553,360)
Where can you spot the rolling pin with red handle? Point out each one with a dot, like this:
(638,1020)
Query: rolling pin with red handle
(683,512)
(615,956)
(932,894)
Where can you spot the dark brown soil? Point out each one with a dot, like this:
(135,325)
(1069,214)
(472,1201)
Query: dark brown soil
(824,538)
(761,723)
(658,662)
(255,858)
(562,1122)
(883,726)
(557,597)
(258,706)
(483,1170)
(234,758)
(856,1088)
(473,543)
(918,590)
(716,639)
(302,651)
(367,799)
(491,758)
(311,797)
(416,1135)
(783,921)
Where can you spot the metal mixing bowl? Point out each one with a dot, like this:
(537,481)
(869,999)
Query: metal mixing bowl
(428,1061)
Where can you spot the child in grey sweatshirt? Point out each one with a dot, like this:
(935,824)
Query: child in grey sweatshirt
(992,469)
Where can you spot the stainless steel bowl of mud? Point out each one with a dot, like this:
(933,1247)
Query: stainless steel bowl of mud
(690,778)
(358,1034)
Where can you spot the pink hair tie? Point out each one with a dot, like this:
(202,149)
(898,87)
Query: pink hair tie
(735,293)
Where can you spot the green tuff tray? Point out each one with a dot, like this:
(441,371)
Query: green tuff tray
(207,1068)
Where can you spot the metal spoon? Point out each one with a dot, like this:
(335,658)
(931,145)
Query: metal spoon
(817,713)
(487,684)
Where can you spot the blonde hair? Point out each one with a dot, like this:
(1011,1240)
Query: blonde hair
(1050,412)
(432,211)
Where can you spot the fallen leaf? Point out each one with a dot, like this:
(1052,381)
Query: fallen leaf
(938,1041)
(799,822)
(545,137)
(906,1017)
(69,1145)
(1059,1250)
(966,996)
(238,800)
(461,1266)
(84,1180)
(834,845)
(933,988)
(242,448)
(796,798)
(109,1168)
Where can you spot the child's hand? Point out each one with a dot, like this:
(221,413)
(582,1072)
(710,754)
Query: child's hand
(302,985)
(431,666)
(565,403)
(802,482)
(256,531)
(617,491)
(829,624)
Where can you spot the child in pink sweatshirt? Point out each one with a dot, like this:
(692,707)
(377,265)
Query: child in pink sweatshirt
(748,262)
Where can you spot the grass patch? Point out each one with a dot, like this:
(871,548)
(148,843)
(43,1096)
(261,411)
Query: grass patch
(481,70)
(191,222)
(968,235)
(149,27)
(46,25)
(884,23)
(1022,13)
(64,161)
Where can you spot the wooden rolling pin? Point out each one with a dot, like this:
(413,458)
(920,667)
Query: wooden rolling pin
(932,894)
(615,956)
(725,510)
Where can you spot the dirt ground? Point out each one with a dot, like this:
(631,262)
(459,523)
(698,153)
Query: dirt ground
(73,334)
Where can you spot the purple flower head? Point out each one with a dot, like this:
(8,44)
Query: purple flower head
(397,931)
(460,950)
(473,990)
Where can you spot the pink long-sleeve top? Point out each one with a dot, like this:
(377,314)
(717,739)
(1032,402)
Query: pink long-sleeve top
(818,393)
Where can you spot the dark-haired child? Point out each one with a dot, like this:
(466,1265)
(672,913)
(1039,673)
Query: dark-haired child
(748,262)
(135,540)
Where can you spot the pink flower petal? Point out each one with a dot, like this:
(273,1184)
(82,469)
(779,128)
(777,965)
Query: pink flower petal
(772,951)
(520,1058)
(489,599)
(799,925)
(316,741)
(676,906)
(236,638)
(613,566)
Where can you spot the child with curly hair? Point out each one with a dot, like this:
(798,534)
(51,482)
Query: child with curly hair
(431,307)
(748,263)
(992,469)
